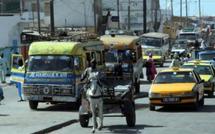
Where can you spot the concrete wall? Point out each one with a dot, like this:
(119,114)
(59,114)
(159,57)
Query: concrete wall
(10,33)
(74,12)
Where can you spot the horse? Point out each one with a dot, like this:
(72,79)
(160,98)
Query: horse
(94,93)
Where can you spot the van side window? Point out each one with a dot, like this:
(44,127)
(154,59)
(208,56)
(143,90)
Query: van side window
(77,63)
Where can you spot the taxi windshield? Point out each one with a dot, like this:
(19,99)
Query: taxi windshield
(50,63)
(174,77)
(200,69)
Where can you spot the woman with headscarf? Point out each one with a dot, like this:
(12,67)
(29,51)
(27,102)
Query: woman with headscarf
(150,68)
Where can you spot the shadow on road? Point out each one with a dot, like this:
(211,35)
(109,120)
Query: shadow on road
(205,108)
(60,108)
(141,106)
(4,115)
(144,82)
(123,129)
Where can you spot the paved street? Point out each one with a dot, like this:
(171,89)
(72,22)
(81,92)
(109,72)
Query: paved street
(16,117)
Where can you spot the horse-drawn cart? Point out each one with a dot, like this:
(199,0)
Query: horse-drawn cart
(117,98)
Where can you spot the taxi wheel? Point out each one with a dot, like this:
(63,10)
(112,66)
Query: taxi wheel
(211,94)
(151,107)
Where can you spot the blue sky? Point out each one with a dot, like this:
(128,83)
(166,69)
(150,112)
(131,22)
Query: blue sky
(208,7)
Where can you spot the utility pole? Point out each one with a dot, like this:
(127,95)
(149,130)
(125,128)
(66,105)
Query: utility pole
(171,8)
(85,15)
(181,12)
(144,16)
(200,14)
(186,13)
(129,15)
(118,14)
(38,15)
(52,17)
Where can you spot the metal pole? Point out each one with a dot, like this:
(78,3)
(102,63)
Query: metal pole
(118,13)
(38,15)
(52,17)
(144,16)
(129,17)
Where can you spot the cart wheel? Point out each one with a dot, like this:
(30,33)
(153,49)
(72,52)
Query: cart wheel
(84,120)
(33,104)
(130,114)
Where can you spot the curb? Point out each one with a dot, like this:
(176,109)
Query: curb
(56,127)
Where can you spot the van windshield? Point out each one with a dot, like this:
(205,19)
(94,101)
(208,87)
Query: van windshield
(207,56)
(149,41)
(188,36)
(50,63)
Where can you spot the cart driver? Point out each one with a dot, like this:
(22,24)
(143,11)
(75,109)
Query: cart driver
(95,97)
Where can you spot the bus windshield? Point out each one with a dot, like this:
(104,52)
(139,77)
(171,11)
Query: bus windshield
(149,41)
(119,56)
(50,63)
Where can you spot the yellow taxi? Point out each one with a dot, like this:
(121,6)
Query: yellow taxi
(176,86)
(157,56)
(206,72)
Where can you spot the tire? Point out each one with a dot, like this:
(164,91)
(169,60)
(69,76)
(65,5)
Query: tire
(196,104)
(130,114)
(202,101)
(84,120)
(161,65)
(211,93)
(151,107)
(137,87)
(33,104)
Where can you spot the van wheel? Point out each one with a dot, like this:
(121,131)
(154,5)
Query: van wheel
(151,107)
(33,104)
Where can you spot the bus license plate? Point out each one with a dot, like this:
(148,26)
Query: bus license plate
(170,100)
